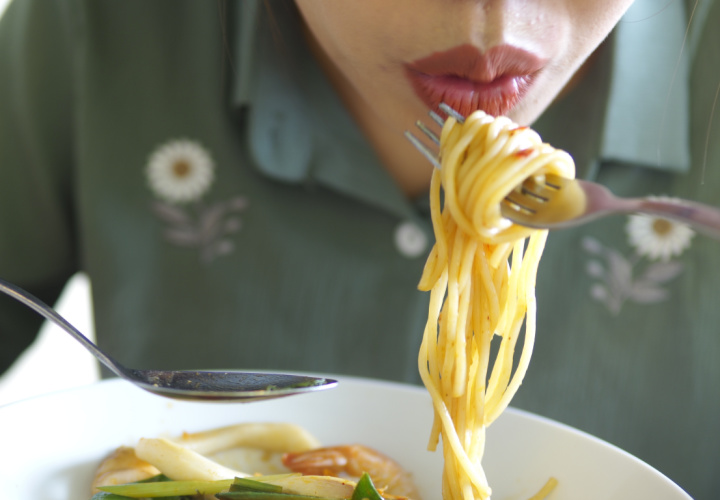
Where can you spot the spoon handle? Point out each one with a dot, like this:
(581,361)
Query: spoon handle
(49,313)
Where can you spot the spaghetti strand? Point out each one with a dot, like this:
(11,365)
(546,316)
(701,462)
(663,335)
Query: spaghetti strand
(481,276)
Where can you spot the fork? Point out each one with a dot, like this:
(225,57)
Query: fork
(555,202)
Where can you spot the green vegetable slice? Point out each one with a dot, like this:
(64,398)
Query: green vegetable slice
(239,489)
(168,488)
(155,479)
(266,495)
(365,489)
(104,495)
(245,484)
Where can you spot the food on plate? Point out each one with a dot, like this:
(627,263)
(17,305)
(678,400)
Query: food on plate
(120,467)
(481,276)
(274,458)
(353,461)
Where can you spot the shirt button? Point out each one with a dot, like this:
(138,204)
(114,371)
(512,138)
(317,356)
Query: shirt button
(410,240)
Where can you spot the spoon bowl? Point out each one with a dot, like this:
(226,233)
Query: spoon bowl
(184,384)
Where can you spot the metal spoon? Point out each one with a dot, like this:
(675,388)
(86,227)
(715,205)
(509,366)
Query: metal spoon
(188,385)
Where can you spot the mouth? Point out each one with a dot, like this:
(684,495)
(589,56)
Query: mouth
(468,80)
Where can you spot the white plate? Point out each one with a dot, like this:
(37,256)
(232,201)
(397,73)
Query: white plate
(50,445)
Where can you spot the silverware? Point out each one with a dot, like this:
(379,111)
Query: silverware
(556,202)
(190,384)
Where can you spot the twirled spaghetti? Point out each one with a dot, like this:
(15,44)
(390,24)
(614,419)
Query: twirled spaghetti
(481,277)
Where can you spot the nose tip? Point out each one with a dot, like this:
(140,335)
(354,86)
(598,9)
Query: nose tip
(490,23)
(485,23)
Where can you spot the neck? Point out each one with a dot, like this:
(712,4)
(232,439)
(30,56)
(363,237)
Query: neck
(410,171)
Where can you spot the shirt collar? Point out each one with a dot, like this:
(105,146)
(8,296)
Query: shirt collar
(647,114)
(298,129)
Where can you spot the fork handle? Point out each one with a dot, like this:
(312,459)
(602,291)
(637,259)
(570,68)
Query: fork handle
(703,218)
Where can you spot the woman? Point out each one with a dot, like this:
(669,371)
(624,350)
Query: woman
(235,183)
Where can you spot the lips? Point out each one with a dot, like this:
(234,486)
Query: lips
(467,79)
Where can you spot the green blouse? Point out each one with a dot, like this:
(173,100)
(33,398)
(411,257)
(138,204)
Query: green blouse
(197,165)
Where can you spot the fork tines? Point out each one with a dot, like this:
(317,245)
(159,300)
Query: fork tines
(428,153)
(432,156)
(450,112)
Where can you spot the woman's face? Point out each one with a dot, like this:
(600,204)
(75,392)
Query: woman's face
(395,59)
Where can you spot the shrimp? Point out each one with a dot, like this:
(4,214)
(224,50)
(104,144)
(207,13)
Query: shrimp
(120,467)
(352,461)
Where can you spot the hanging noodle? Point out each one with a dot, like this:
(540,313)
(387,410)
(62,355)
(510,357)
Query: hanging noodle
(481,277)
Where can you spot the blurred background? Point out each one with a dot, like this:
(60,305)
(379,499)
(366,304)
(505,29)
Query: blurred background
(55,361)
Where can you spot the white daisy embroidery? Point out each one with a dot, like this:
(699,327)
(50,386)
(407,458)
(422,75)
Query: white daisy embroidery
(180,171)
(657,238)
(620,279)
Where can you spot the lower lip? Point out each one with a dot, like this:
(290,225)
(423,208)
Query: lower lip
(496,98)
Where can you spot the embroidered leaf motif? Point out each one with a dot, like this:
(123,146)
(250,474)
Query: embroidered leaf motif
(224,247)
(599,292)
(236,204)
(207,230)
(620,271)
(210,220)
(660,272)
(592,246)
(616,284)
(595,269)
(646,293)
(232,225)
(185,237)
(171,213)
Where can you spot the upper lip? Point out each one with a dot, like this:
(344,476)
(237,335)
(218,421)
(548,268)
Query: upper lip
(468,62)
